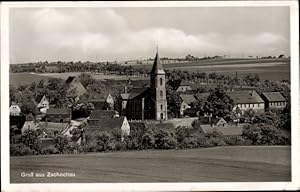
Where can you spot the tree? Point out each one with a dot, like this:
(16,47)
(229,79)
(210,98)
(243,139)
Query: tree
(86,79)
(174,102)
(218,103)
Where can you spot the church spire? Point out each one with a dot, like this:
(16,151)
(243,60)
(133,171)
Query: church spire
(157,66)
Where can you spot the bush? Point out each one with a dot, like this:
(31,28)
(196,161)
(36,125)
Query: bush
(31,140)
(20,150)
(165,140)
(62,144)
(104,141)
(49,150)
(265,134)
(148,140)
(236,140)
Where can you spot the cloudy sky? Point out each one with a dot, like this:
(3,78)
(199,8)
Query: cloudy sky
(101,34)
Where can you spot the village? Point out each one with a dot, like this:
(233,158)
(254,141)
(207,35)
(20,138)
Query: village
(147,106)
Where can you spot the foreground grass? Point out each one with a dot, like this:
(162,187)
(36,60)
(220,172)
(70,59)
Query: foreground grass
(234,164)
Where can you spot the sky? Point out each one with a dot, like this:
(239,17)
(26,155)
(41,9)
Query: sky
(109,34)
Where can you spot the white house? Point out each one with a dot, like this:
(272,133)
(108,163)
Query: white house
(14,110)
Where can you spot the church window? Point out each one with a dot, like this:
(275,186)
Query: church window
(161,107)
(161,116)
(161,81)
(161,94)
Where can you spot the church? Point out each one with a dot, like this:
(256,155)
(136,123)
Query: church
(149,102)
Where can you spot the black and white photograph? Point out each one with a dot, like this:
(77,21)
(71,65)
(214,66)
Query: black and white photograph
(150,93)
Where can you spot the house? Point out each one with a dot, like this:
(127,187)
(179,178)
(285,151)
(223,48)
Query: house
(273,100)
(74,84)
(43,105)
(58,115)
(98,122)
(147,102)
(184,87)
(186,103)
(246,100)
(14,110)
(102,101)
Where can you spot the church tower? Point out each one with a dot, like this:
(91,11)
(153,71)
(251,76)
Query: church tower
(158,86)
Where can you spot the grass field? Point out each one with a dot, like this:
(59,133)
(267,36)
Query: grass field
(220,164)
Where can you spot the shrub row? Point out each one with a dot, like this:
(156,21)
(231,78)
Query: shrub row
(150,138)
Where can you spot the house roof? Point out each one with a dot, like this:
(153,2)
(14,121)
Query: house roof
(205,120)
(58,111)
(106,122)
(70,79)
(187,98)
(157,66)
(98,114)
(202,96)
(227,130)
(244,97)
(98,97)
(273,96)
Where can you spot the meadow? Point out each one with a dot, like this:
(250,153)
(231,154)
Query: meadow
(218,164)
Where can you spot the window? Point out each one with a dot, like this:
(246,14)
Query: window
(258,105)
(183,106)
(252,105)
(161,116)
(161,107)
(161,81)
(245,105)
(249,105)
(161,94)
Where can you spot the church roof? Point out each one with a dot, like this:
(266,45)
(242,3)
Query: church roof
(157,66)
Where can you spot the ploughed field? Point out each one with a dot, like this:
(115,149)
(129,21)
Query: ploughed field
(219,164)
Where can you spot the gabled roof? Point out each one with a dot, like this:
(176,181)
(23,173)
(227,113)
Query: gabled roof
(98,114)
(273,96)
(157,66)
(70,79)
(202,96)
(109,122)
(227,130)
(58,111)
(188,99)
(213,120)
(99,97)
(244,97)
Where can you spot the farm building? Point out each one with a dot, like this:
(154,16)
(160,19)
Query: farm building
(105,122)
(186,103)
(14,110)
(75,85)
(246,100)
(149,102)
(273,100)
(58,115)
(102,101)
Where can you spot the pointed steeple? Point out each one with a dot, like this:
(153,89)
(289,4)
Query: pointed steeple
(157,66)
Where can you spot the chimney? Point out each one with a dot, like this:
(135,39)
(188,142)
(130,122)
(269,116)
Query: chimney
(252,93)
(125,89)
